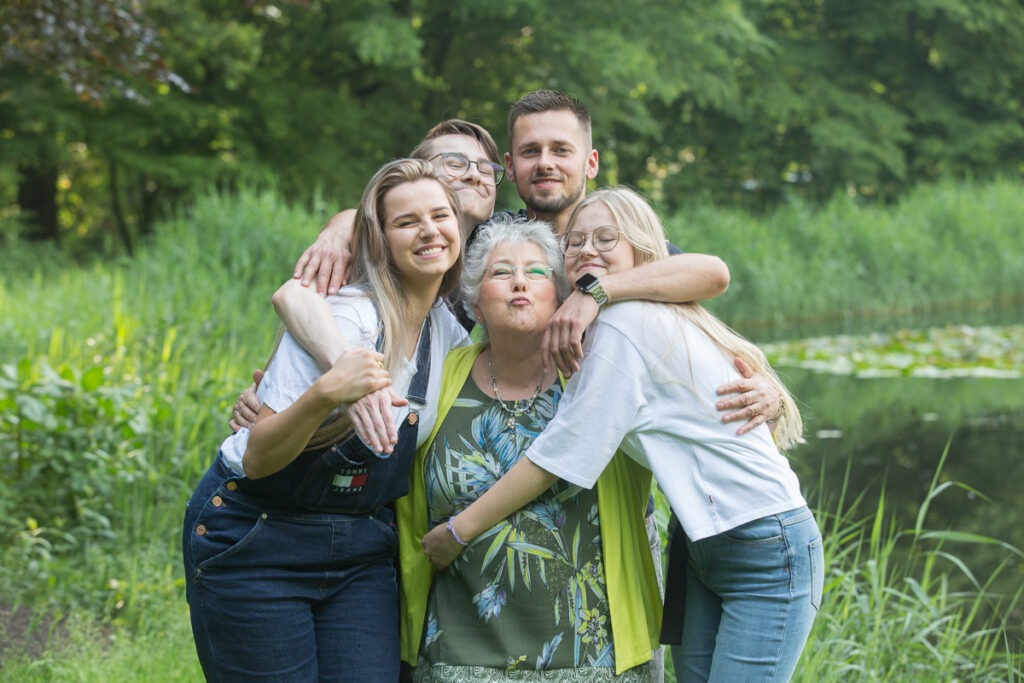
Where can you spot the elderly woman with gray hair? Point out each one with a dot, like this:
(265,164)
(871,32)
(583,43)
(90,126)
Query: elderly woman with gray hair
(544,591)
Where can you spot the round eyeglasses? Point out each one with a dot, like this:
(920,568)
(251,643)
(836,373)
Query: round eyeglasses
(533,271)
(455,164)
(603,239)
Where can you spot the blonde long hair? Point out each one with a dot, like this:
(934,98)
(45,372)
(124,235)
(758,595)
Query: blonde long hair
(373,269)
(643,229)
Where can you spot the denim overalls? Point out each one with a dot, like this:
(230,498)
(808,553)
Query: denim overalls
(292,577)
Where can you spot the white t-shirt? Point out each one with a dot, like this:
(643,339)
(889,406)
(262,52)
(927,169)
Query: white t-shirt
(647,385)
(292,370)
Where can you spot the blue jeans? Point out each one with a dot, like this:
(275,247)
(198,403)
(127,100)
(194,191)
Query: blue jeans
(751,596)
(289,596)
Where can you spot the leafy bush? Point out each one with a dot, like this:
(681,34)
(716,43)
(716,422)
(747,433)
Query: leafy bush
(73,444)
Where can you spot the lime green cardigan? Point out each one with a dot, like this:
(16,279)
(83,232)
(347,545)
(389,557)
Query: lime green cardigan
(622,492)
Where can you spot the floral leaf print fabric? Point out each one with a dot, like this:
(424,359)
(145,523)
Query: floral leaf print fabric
(528,594)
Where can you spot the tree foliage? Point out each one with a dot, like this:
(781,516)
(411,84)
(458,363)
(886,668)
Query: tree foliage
(111,110)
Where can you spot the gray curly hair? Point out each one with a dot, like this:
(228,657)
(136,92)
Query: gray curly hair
(514,231)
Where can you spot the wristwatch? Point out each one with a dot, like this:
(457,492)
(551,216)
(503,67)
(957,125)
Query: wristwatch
(589,284)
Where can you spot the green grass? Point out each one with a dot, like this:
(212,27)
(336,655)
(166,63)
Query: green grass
(888,614)
(85,650)
(117,378)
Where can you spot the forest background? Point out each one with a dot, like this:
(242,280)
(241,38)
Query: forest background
(162,164)
(113,112)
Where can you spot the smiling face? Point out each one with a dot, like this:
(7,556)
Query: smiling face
(476,195)
(589,259)
(421,230)
(550,161)
(522,303)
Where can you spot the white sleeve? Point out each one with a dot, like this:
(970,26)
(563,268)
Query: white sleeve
(292,370)
(454,334)
(599,408)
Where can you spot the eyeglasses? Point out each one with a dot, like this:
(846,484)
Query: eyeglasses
(603,239)
(533,271)
(455,164)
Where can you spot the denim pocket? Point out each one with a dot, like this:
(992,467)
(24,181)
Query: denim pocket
(389,535)
(764,530)
(223,530)
(817,560)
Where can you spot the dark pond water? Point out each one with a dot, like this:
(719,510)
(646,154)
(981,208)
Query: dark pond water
(1008,311)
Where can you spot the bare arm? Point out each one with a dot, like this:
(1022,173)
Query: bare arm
(521,484)
(676,279)
(277,438)
(327,259)
(309,319)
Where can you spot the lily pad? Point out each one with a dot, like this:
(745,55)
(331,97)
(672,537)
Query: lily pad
(940,352)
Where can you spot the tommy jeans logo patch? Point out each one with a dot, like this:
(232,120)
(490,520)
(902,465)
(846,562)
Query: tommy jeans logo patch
(350,481)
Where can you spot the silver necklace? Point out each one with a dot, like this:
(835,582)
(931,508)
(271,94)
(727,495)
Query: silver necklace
(518,408)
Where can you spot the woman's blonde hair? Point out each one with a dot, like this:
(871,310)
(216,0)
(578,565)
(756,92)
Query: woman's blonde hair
(642,228)
(373,270)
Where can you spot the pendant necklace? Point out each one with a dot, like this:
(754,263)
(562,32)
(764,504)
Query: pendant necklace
(518,408)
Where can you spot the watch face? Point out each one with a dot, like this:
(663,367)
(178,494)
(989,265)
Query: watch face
(585,281)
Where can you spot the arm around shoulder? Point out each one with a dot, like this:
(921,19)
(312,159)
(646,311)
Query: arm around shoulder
(308,317)
(327,259)
(676,279)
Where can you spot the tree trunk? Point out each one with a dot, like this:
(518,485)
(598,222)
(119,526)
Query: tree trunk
(114,188)
(37,196)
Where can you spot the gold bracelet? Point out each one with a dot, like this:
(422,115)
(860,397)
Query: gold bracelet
(781,411)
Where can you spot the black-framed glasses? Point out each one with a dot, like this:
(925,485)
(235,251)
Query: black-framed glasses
(456,163)
(532,271)
(604,239)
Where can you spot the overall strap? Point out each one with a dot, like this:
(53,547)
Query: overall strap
(417,395)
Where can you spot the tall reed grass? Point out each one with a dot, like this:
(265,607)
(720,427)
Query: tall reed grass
(944,247)
(889,612)
(157,348)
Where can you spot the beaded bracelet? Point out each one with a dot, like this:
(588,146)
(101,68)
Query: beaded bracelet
(451,530)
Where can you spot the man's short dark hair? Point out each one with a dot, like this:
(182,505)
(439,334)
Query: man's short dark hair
(458,127)
(540,101)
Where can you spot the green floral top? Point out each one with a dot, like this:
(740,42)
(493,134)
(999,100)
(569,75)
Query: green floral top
(528,594)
